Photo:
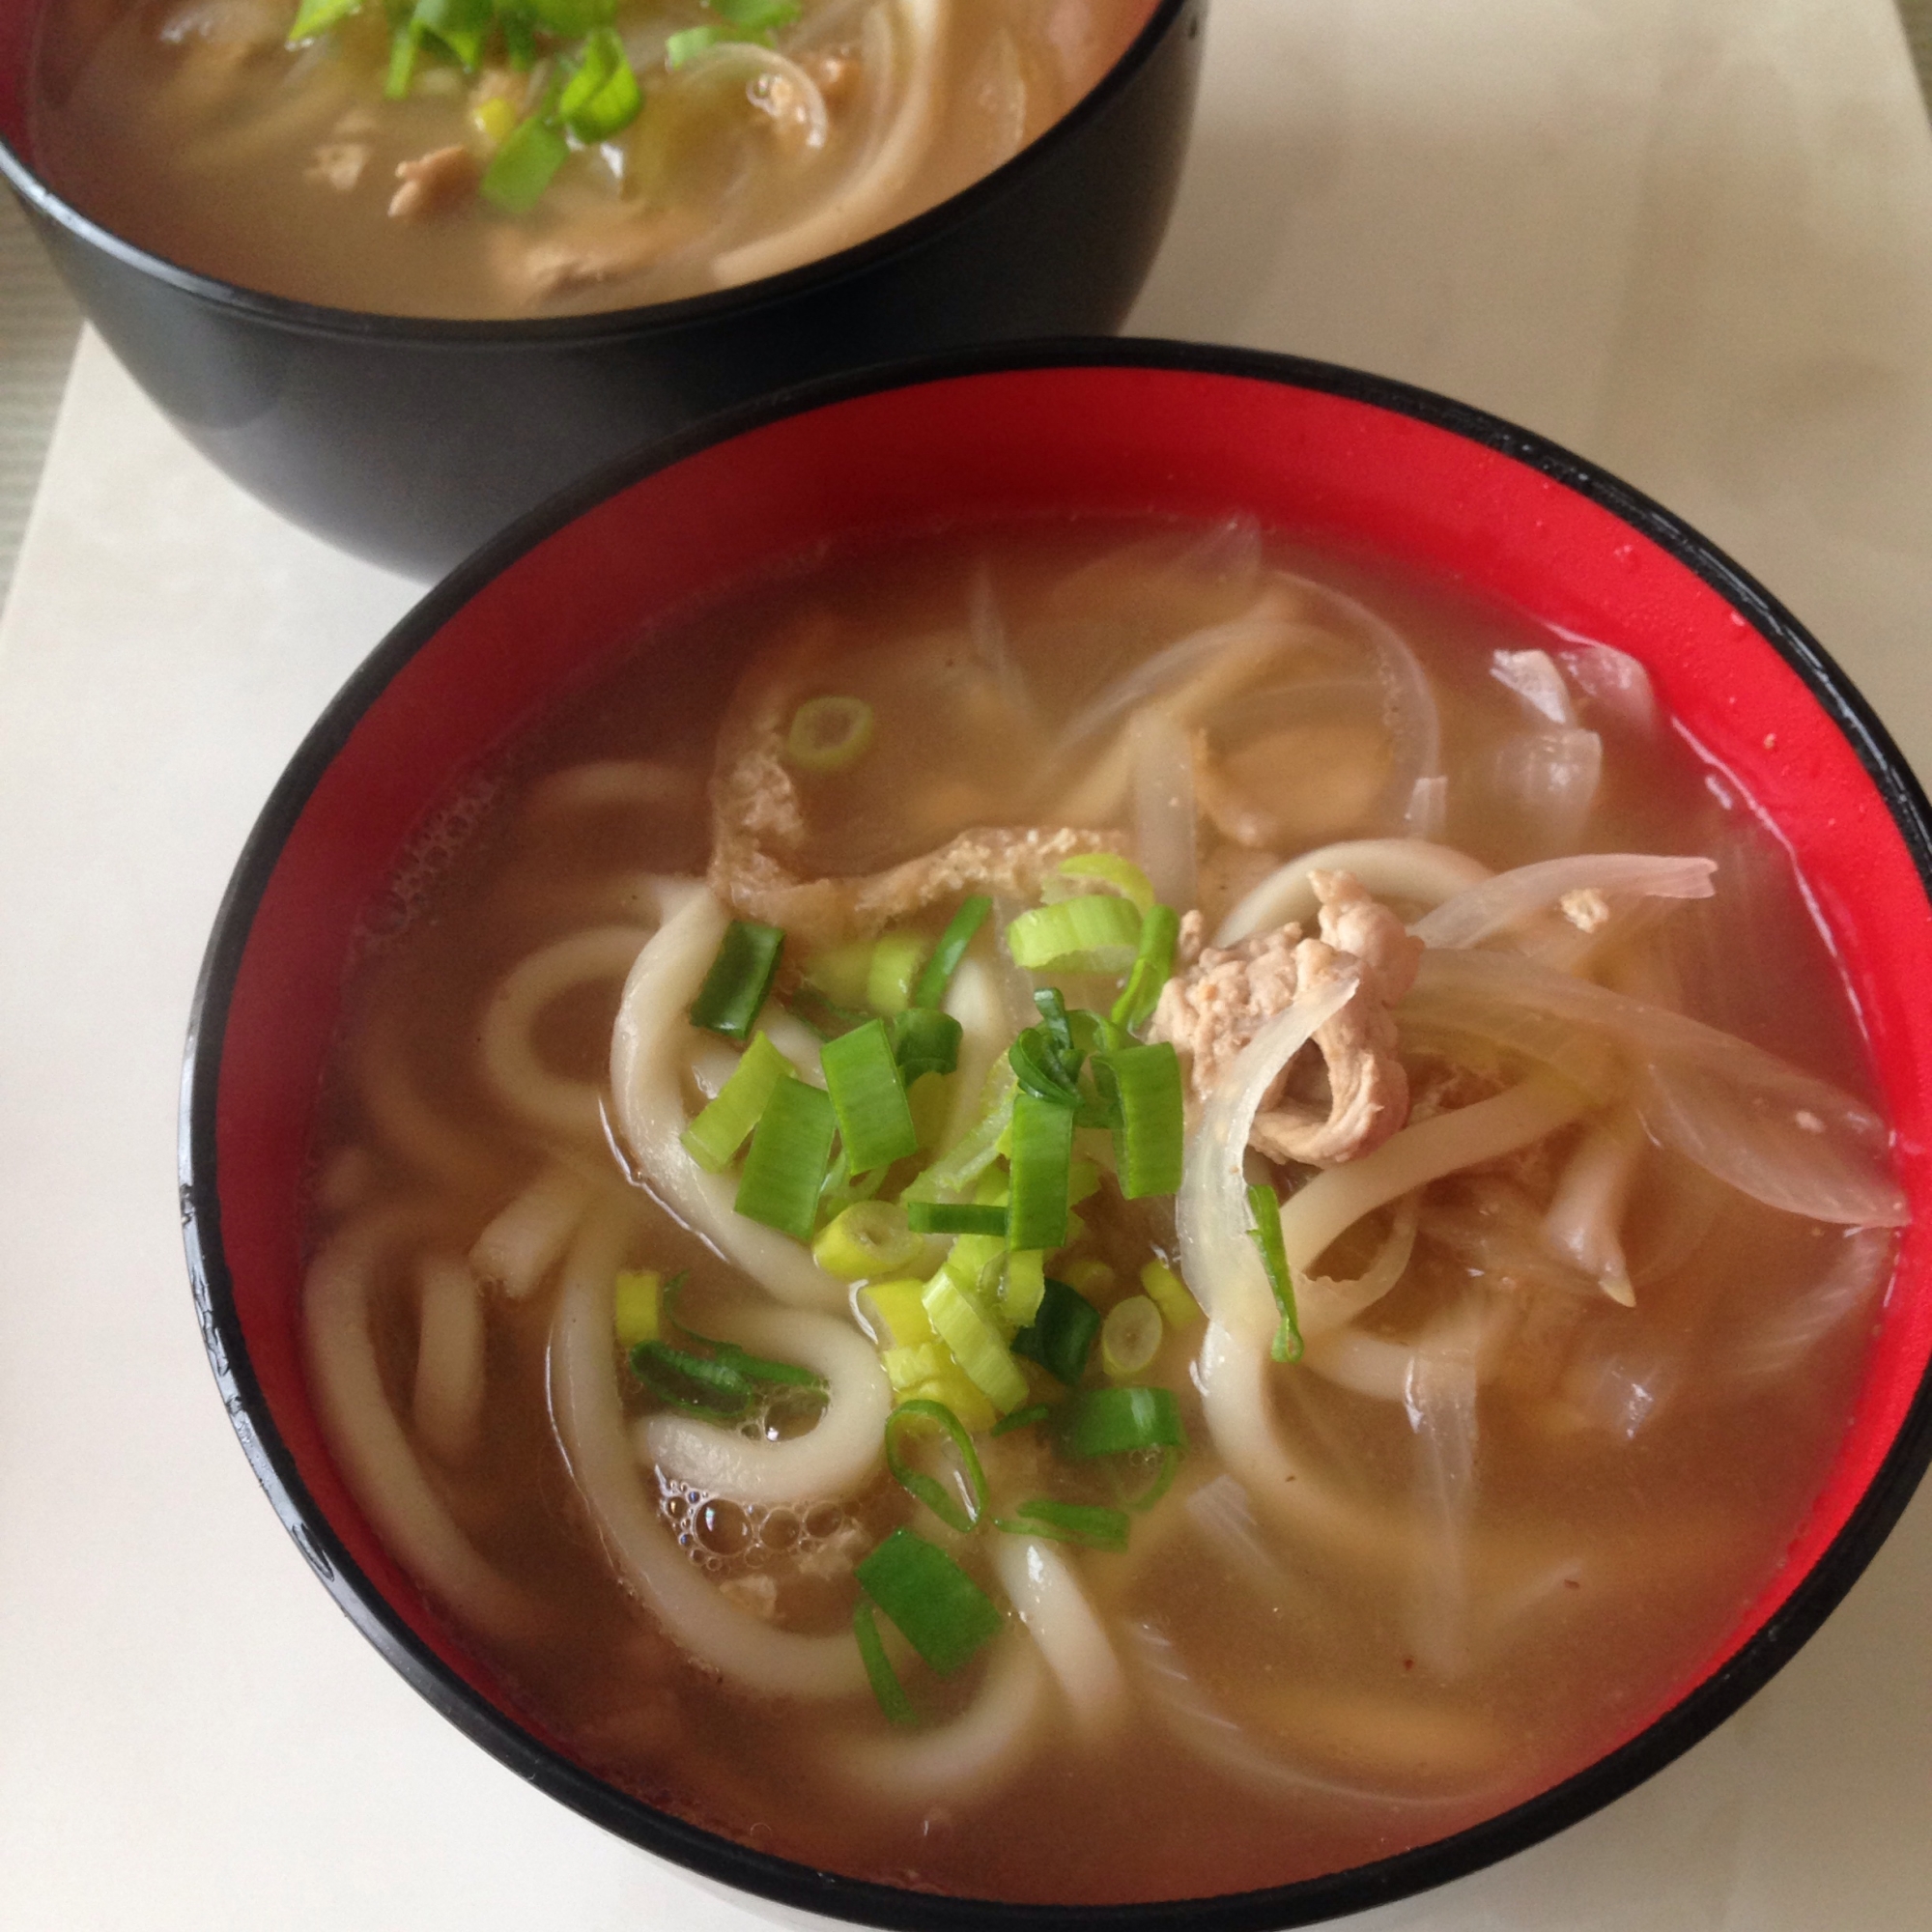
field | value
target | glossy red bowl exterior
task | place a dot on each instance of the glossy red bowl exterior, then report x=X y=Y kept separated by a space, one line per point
x=1325 y=455
x=411 y=440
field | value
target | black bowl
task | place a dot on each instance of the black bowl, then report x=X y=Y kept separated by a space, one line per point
x=410 y=441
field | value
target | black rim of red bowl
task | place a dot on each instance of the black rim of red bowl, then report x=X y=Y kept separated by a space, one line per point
x=904 y=237
x=720 y=1860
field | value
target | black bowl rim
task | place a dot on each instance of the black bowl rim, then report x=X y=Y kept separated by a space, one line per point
x=904 y=238
x=720 y=1860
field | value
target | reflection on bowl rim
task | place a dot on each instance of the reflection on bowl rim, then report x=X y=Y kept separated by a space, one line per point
x=599 y=325
x=1690 y=1715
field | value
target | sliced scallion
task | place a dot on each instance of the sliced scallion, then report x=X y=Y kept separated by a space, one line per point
x=689 y=43
x=926 y=1041
x=791 y=1148
x=894 y=970
x=722 y=1127
x=1118 y=1421
x=1023 y=1286
x=1023 y=1418
x=937 y=975
x=601 y=98
x=404 y=41
x=1169 y=1293
x=956 y=1217
x=697 y=1384
x=459 y=25
x=1111 y=869
x=1093 y=933
x=314 y=17
x=756 y=16
x=741 y=974
x=1149 y=1126
x=1265 y=1229
x=1130 y=1337
x=879 y=1671
x=635 y=1306
x=828 y=734
x=1153 y=968
x=923 y=1416
x=866 y=1239
x=977 y=1344
x=1061 y=1336
x=1043 y=1158
x=939 y=1610
x=868 y=1096
x=1092 y=1525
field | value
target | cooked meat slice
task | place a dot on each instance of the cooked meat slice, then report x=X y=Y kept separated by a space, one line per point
x=1225 y=995
x=337 y=164
x=434 y=183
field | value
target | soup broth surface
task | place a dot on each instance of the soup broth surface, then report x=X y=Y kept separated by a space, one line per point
x=1579 y=1477
x=304 y=156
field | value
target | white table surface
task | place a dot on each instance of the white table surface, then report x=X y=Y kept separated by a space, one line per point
x=1691 y=238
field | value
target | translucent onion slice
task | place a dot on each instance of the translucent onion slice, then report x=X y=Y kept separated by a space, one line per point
x=1497 y=904
x=1549 y=779
x=1782 y=1137
x=649 y=1046
x=1414 y=871
x=589 y=1421
x=830 y=1460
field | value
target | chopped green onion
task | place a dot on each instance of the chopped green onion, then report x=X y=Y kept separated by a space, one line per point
x=1043 y=1158
x=314 y=17
x=926 y=1041
x=791 y=1148
x=1130 y=1337
x=687 y=45
x=635 y=1306
x=729 y=1355
x=1117 y=1421
x=1092 y=1525
x=929 y=1490
x=931 y=990
x=1088 y=1276
x=976 y=1343
x=522 y=169
x=976 y=1148
x=461 y=25
x=741 y=975
x=519 y=37
x=840 y=972
x=1265 y=1229
x=1093 y=933
x=572 y=19
x=1110 y=869
x=895 y=967
x=756 y=16
x=1150 y=1127
x=842 y=1188
x=863 y=1078
x=1152 y=970
x=1169 y=1293
x=1023 y=1418
x=699 y=1385
x=941 y=1611
x=601 y=98
x=879 y=1672
x=713 y=1139
x=828 y=734
x=956 y=1217
x=976 y=1263
x=1062 y=1334
x=403 y=43
x=1083 y=1180
x=867 y=1239
x=1023 y=1287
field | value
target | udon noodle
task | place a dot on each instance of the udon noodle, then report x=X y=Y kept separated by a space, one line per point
x=1214 y=1218
x=498 y=157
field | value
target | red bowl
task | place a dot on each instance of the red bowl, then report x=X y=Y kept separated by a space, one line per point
x=1109 y=430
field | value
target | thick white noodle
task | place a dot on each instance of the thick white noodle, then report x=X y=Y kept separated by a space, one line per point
x=551 y=1102
x=527 y=1239
x=589 y=1420
x=613 y=782
x=1163 y=799
x=974 y=1000
x=838 y=1455
x=1338 y=1197
x=1412 y=870
x=1040 y=1586
x=1585 y=1217
x=649 y=1045
x=915 y=33
x=447 y=1402
x=370 y=1447
x=1323 y=1304
x=954 y=1763
x=1497 y=905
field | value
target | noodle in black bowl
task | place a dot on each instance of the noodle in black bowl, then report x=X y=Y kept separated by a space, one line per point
x=968 y=1463
x=407 y=424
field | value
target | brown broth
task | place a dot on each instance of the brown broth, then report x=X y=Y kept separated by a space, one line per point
x=187 y=127
x=1641 y=1489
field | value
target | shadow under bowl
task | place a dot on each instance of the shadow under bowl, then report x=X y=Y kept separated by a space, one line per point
x=1329 y=458
x=408 y=442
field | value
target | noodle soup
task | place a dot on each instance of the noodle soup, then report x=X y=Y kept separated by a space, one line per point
x=1083 y=1214
x=568 y=155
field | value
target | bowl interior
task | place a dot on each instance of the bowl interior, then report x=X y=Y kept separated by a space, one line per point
x=1337 y=461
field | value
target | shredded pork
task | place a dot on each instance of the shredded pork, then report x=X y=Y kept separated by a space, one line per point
x=434 y=183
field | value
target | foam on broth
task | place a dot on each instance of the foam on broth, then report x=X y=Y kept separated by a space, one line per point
x=191 y=128
x=1291 y=1706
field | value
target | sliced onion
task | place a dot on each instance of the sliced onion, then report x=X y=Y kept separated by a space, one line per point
x=1323 y=1304
x=1614 y=681
x=589 y=1422
x=1549 y=780
x=1785 y=1138
x=1511 y=898
x=1412 y=871
x=827 y=1463
x=1535 y=679
x=1848 y=1286
x=649 y=1046
x=1163 y=796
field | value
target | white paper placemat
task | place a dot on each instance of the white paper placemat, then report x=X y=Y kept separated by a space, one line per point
x=1688 y=237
